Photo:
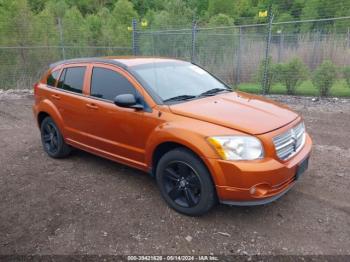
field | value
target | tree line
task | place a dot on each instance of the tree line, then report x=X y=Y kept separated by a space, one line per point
x=35 y=33
x=107 y=22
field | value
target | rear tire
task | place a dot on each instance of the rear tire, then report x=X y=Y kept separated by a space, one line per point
x=185 y=182
x=52 y=139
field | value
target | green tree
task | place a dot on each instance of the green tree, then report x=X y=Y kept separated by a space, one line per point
x=74 y=27
x=175 y=14
x=324 y=77
x=325 y=9
x=200 y=6
x=346 y=74
x=57 y=8
x=291 y=74
x=37 y=5
x=220 y=20
x=95 y=25
x=144 y=6
x=16 y=23
x=119 y=21
x=45 y=28
x=285 y=28
x=226 y=7
x=16 y=28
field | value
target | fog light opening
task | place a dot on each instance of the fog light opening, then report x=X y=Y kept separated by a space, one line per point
x=259 y=190
x=252 y=190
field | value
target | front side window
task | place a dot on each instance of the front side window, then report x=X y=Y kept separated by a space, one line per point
x=107 y=84
x=52 y=78
x=72 y=79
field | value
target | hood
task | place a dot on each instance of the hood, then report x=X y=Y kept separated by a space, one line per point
x=240 y=111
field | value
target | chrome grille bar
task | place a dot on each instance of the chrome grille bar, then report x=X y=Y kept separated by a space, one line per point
x=290 y=142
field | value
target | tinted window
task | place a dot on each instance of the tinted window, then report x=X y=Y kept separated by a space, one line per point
x=107 y=84
x=52 y=78
x=72 y=79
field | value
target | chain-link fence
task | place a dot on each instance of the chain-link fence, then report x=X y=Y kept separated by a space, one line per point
x=238 y=54
x=26 y=51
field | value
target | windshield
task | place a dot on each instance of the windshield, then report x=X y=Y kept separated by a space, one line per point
x=177 y=79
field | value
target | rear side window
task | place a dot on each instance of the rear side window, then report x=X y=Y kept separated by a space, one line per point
x=52 y=78
x=107 y=84
x=72 y=79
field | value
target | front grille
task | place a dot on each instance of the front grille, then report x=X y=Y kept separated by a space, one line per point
x=290 y=142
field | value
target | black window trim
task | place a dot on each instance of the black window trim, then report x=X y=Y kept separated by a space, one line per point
x=58 y=77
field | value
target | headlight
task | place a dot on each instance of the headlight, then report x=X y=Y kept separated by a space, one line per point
x=237 y=147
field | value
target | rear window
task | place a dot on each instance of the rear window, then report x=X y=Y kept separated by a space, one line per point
x=52 y=78
x=107 y=84
x=72 y=79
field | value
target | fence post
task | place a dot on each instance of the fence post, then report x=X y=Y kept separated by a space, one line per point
x=134 y=37
x=238 y=65
x=315 y=55
x=60 y=29
x=193 y=50
x=280 y=47
x=267 y=53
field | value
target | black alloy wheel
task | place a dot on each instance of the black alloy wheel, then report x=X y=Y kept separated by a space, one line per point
x=182 y=184
x=185 y=182
x=52 y=139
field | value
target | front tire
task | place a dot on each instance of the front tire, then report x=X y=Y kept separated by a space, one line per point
x=52 y=139
x=185 y=183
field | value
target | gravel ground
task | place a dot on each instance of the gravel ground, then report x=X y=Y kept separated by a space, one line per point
x=89 y=205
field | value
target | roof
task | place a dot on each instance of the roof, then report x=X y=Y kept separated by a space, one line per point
x=122 y=61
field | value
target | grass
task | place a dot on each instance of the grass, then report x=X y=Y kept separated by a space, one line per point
x=339 y=89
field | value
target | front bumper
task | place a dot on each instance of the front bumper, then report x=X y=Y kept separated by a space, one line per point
x=258 y=182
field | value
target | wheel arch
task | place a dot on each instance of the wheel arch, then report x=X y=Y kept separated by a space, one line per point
x=166 y=146
x=47 y=108
x=41 y=116
x=162 y=149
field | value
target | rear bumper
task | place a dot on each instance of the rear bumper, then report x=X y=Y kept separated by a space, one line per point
x=248 y=183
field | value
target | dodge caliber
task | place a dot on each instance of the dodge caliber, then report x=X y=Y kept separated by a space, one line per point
x=203 y=142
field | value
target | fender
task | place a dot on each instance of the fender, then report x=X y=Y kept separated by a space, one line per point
x=48 y=107
x=178 y=132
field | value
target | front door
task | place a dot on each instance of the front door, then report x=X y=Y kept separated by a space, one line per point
x=116 y=132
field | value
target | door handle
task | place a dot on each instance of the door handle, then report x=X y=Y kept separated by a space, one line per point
x=92 y=106
x=57 y=97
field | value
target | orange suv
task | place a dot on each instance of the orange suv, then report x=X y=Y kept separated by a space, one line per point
x=203 y=142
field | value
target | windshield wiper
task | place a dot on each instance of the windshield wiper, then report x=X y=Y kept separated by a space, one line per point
x=180 y=98
x=213 y=91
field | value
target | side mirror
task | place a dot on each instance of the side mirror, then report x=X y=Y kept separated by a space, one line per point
x=128 y=101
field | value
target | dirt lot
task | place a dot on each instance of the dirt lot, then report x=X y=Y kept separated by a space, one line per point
x=89 y=205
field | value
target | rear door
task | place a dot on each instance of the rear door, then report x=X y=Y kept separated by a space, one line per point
x=71 y=99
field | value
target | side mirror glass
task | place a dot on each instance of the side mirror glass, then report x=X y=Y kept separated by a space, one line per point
x=128 y=101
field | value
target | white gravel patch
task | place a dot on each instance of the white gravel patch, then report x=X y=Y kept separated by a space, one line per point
x=15 y=93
